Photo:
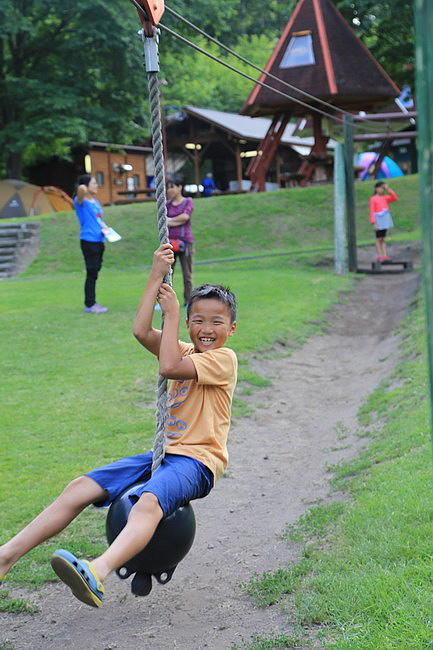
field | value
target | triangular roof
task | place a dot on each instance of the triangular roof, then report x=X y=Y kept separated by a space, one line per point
x=344 y=72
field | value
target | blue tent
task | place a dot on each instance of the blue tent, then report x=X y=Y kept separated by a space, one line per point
x=388 y=167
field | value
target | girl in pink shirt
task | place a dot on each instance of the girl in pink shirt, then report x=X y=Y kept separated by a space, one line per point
x=380 y=216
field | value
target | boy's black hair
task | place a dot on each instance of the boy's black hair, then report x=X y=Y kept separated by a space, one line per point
x=216 y=291
x=379 y=184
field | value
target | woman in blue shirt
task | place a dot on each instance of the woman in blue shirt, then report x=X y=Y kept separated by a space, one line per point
x=92 y=228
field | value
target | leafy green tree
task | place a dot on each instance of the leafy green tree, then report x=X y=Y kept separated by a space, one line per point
x=213 y=16
x=254 y=17
x=205 y=83
x=69 y=72
x=231 y=19
x=387 y=28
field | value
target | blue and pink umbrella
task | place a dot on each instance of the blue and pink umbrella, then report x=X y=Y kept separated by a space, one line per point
x=388 y=167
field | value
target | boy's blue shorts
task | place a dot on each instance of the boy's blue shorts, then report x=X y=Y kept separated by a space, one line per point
x=178 y=480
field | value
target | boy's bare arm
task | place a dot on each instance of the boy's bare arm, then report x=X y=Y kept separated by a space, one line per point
x=172 y=364
x=143 y=330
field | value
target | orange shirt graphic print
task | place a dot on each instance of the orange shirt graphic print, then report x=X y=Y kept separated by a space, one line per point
x=175 y=398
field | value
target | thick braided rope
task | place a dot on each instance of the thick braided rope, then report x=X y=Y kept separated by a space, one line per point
x=158 y=157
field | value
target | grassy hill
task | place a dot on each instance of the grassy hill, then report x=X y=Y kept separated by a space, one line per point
x=228 y=226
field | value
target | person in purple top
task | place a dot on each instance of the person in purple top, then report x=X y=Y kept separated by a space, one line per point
x=179 y=211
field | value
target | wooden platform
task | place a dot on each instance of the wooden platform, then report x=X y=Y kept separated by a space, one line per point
x=388 y=266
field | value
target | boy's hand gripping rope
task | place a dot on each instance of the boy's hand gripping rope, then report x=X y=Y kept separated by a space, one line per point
x=152 y=68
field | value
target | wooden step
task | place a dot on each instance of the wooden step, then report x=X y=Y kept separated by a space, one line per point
x=15 y=240
x=387 y=267
x=8 y=242
x=378 y=264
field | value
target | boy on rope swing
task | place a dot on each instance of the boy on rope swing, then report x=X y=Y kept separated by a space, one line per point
x=199 y=406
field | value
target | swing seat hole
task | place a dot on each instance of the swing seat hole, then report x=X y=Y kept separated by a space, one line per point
x=164 y=576
x=123 y=572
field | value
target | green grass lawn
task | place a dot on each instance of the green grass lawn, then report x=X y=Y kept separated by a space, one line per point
x=78 y=391
x=229 y=226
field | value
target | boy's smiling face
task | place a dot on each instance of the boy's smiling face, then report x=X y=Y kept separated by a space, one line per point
x=209 y=324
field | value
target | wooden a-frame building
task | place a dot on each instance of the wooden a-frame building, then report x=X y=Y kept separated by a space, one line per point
x=318 y=53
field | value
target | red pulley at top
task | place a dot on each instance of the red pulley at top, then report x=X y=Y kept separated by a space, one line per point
x=154 y=10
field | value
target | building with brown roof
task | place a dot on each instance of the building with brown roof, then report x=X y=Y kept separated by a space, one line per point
x=319 y=54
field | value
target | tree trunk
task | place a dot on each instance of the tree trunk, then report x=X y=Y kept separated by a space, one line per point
x=14 y=165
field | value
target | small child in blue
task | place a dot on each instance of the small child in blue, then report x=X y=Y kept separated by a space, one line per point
x=199 y=406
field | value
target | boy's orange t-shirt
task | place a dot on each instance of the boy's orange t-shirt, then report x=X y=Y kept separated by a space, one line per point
x=199 y=410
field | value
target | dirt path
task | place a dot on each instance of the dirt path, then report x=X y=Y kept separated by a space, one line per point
x=277 y=470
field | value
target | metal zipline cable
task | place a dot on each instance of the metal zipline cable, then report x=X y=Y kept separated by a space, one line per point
x=247 y=76
x=269 y=74
x=250 y=78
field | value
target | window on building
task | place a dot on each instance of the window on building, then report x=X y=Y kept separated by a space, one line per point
x=100 y=178
x=136 y=180
x=87 y=164
x=299 y=51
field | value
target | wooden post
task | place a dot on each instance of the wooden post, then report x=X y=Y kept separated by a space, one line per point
x=339 y=209
x=238 y=168
x=197 y=170
x=382 y=153
x=424 y=94
x=320 y=140
x=350 y=193
x=278 y=169
x=110 y=176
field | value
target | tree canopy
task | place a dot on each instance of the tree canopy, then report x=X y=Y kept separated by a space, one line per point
x=73 y=72
x=69 y=72
x=387 y=28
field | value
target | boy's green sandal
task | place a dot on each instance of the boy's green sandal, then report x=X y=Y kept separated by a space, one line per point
x=80 y=576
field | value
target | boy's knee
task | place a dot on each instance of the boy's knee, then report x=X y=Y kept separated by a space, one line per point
x=83 y=489
x=148 y=505
x=75 y=484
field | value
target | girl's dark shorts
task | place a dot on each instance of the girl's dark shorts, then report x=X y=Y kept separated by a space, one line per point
x=176 y=482
x=381 y=234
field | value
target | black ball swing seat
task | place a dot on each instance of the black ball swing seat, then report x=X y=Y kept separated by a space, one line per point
x=170 y=543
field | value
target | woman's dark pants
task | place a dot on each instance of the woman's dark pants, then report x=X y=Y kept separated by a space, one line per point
x=186 y=258
x=93 y=252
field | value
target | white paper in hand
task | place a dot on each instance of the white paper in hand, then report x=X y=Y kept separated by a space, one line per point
x=111 y=235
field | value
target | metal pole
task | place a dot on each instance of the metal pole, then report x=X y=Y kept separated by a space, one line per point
x=424 y=93
x=350 y=193
x=339 y=210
